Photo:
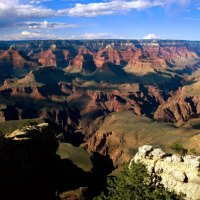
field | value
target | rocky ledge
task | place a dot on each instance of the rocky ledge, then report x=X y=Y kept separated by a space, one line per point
x=28 y=163
x=180 y=174
x=27 y=132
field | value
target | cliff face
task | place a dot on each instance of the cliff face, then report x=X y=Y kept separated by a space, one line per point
x=28 y=163
x=179 y=55
x=101 y=52
x=47 y=58
x=183 y=105
x=178 y=110
x=81 y=63
x=176 y=173
x=13 y=58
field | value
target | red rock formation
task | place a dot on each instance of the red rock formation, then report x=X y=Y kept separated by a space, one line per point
x=63 y=117
x=77 y=63
x=99 y=61
x=178 y=109
x=108 y=54
x=178 y=55
x=143 y=67
x=13 y=58
x=81 y=63
x=131 y=53
x=84 y=50
x=139 y=68
x=66 y=54
x=107 y=144
x=47 y=58
x=94 y=102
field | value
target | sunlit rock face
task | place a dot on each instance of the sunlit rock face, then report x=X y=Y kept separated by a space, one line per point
x=177 y=173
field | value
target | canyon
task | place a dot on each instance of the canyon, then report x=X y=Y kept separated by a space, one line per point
x=107 y=97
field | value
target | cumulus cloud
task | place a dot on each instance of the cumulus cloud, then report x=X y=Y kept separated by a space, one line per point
x=31 y=35
x=89 y=36
x=116 y=6
x=35 y=1
x=23 y=10
x=108 y=8
x=27 y=9
x=44 y=25
x=13 y=10
x=151 y=36
x=28 y=15
x=94 y=36
x=26 y=35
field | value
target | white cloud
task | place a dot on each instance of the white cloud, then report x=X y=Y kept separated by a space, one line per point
x=27 y=14
x=35 y=1
x=29 y=9
x=94 y=36
x=151 y=36
x=26 y=35
x=45 y=25
x=117 y=6
x=89 y=36
x=108 y=8
x=12 y=11
x=24 y=10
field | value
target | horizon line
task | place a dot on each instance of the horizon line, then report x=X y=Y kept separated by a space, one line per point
x=100 y=39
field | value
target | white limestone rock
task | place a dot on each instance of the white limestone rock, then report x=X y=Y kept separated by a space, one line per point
x=179 y=174
x=157 y=153
x=145 y=150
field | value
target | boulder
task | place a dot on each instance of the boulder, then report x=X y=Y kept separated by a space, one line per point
x=176 y=173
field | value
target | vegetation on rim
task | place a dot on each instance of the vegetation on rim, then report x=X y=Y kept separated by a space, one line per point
x=135 y=183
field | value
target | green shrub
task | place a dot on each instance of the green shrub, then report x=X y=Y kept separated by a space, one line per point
x=135 y=184
x=178 y=148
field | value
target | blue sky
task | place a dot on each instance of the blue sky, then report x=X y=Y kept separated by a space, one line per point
x=99 y=19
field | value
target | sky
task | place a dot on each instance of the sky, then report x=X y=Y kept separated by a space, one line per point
x=99 y=19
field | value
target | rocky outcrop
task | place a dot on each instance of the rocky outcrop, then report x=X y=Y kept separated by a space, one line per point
x=11 y=61
x=107 y=55
x=118 y=52
x=143 y=67
x=142 y=101
x=77 y=194
x=178 y=109
x=63 y=118
x=179 y=55
x=13 y=58
x=28 y=163
x=131 y=53
x=81 y=63
x=139 y=68
x=107 y=144
x=47 y=58
x=176 y=173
